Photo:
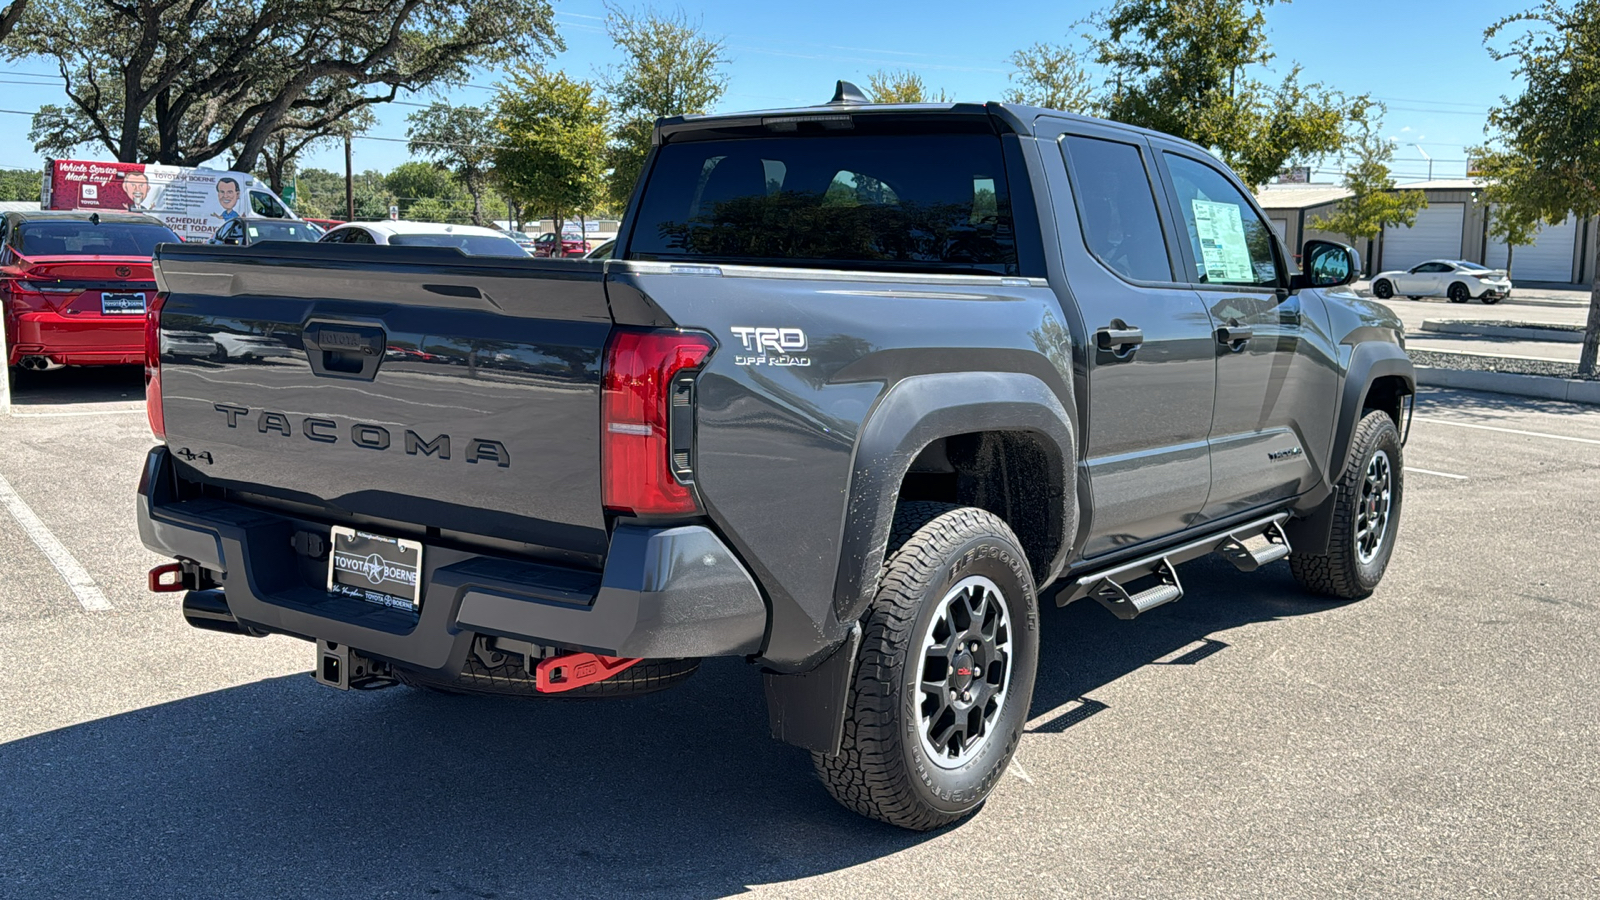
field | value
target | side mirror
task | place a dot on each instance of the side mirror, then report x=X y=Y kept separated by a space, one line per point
x=1327 y=264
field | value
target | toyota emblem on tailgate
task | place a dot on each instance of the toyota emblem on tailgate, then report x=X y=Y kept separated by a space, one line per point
x=123 y=271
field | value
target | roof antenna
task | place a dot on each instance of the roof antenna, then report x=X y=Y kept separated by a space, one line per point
x=848 y=94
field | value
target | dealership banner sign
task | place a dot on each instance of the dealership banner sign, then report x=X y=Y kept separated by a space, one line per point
x=192 y=202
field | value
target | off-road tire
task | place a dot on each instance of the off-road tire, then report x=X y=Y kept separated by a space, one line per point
x=1458 y=293
x=1382 y=289
x=882 y=770
x=508 y=678
x=1340 y=572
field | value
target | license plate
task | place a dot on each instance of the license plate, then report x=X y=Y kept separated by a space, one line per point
x=382 y=570
x=121 y=304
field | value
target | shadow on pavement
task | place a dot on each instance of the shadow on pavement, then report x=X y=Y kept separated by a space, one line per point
x=1469 y=405
x=285 y=788
x=77 y=384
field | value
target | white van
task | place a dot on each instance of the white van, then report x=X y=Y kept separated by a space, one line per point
x=192 y=202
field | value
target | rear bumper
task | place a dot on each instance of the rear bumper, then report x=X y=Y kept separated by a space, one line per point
x=77 y=340
x=665 y=592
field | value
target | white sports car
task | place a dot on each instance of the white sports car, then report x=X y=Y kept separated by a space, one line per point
x=1454 y=278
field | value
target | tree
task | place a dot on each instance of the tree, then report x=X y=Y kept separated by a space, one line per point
x=184 y=81
x=672 y=69
x=417 y=183
x=1373 y=202
x=901 y=86
x=20 y=184
x=1052 y=76
x=460 y=139
x=295 y=135
x=319 y=194
x=1544 y=162
x=552 y=143
x=1184 y=67
x=9 y=15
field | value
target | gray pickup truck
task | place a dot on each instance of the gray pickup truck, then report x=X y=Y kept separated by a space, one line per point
x=861 y=383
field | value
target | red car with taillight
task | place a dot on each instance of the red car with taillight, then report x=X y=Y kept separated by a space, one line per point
x=75 y=286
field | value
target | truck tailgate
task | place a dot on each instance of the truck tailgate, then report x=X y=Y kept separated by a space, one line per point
x=369 y=383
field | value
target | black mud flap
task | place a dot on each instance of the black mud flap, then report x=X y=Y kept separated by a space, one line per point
x=807 y=710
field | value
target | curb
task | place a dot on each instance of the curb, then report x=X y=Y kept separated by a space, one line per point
x=1552 y=335
x=1542 y=387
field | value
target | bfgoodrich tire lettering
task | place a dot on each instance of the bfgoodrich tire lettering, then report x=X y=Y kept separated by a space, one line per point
x=1366 y=515
x=884 y=770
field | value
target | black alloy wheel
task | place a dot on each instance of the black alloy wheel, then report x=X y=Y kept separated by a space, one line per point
x=1458 y=293
x=1382 y=289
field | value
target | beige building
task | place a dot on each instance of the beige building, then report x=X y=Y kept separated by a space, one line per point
x=1455 y=225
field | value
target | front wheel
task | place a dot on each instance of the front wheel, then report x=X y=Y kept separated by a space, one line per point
x=1382 y=289
x=1366 y=516
x=1458 y=293
x=949 y=650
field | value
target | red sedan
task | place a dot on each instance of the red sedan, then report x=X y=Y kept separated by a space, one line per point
x=74 y=286
x=571 y=245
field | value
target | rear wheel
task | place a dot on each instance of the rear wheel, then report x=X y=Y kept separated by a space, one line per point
x=1413 y=297
x=1490 y=299
x=1382 y=289
x=1366 y=516
x=1458 y=293
x=948 y=656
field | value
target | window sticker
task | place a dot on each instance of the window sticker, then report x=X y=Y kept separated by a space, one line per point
x=1224 y=254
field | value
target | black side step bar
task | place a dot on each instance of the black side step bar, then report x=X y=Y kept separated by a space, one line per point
x=1110 y=586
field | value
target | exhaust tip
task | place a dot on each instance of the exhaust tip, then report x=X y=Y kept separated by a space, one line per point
x=39 y=363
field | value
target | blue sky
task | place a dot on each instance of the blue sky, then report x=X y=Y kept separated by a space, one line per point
x=1432 y=70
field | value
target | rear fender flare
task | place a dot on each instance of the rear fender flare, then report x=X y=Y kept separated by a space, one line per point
x=914 y=413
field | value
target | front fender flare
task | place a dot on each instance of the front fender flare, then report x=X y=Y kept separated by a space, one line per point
x=914 y=413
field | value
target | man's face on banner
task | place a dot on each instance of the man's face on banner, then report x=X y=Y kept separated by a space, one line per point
x=137 y=187
x=227 y=194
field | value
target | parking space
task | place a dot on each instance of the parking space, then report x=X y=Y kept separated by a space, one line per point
x=1436 y=739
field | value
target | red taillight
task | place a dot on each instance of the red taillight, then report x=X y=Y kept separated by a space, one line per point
x=152 y=366
x=636 y=441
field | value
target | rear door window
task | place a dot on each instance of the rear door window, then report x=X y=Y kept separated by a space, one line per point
x=893 y=202
x=1117 y=208
x=1231 y=243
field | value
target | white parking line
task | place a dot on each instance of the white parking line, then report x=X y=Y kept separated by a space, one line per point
x=1432 y=472
x=73 y=573
x=1538 y=434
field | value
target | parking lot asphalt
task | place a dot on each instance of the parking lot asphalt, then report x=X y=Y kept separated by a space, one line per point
x=1441 y=738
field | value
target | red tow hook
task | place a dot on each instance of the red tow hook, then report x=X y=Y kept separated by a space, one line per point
x=574 y=670
x=159 y=573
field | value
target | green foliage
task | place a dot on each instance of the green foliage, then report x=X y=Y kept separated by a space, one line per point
x=9 y=15
x=300 y=132
x=1185 y=67
x=373 y=198
x=552 y=143
x=462 y=140
x=185 y=81
x=320 y=194
x=414 y=181
x=901 y=86
x=1053 y=76
x=672 y=68
x=1544 y=162
x=20 y=184
x=1373 y=202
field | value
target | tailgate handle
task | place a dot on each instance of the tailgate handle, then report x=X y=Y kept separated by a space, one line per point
x=344 y=350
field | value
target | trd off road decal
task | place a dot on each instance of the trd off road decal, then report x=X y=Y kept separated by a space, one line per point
x=766 y=346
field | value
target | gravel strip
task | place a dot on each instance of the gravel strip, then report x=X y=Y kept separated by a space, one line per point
x=1507 y=323
x=1495 y=364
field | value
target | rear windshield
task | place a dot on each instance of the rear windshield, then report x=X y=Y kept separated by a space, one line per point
x=282 y=231
x=89 y=239
x=470 y=244
x=1470 y=266
x=918 y=202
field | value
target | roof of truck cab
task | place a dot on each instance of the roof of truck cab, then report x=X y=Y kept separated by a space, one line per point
x=1021 y=115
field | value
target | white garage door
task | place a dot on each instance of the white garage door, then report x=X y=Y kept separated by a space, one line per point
x=1436 y=235
x=1548 y=258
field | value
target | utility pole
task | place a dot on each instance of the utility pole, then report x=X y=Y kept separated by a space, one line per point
x=1426 y=157
x=349 y=184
